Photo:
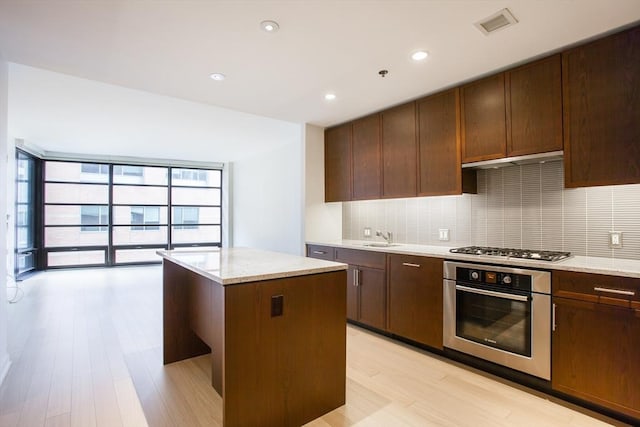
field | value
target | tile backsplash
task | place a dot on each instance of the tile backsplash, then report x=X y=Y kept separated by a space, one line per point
x=519 y=206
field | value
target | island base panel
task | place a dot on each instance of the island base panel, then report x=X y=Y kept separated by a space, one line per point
x=179 y=339
x=288 y=369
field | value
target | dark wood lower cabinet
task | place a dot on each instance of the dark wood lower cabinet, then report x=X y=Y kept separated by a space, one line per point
x=366 y=296
x=596 y=354
x=372 y=297
x=352 y=294
x=596 y=337
x=366 y=282
x=415 y=298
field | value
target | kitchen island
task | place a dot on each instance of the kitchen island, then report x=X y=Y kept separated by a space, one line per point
x=275 y=325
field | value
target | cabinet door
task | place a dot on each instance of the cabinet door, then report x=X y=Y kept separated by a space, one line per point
x=399 y=151
x=353 y=299
x=602 y=111
x=367 y=173
x=337 y=163
x=415 y=298
x=373 y=297
x=439 y=144
x=596 y=349
x=534 y=107
x=483 y=120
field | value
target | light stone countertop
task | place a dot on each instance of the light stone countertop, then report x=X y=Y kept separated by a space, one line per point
x=229 y=266
x=596 y=265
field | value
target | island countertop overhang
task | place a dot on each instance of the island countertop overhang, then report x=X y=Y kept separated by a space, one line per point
x=230 y=266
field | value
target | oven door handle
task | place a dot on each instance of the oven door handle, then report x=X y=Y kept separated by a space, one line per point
x=513 y=297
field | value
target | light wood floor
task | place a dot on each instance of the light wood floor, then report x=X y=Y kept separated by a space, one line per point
x=86 y=351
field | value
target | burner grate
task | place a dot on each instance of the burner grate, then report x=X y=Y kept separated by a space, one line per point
x=512 y=253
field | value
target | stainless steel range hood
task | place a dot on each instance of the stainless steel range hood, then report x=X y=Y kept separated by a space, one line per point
x=516 y=161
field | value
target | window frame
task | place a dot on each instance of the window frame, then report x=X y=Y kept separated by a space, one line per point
x=32 y=216
x=112 y=249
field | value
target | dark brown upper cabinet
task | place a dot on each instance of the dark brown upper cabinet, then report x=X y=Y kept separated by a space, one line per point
x=534 y=107
x=399 y=151
x=367 y=154
x=483 y=119
x=601 y=98
x=440 y=170
x=515 y=113
x=337 y=163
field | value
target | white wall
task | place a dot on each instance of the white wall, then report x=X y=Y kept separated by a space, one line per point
x=4 y=355
x=322 y=221
x=267 y=200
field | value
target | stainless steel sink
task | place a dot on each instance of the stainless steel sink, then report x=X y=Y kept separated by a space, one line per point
x=380 y=244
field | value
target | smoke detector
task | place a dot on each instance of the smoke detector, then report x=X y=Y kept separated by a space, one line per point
x=498 y=21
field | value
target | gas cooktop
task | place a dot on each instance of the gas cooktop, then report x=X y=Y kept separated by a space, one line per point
x=512 y=253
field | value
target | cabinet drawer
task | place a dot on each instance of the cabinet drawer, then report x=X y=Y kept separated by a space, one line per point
x=362 y=258
x=599 y=288
x=414 y=264
x=321 y=252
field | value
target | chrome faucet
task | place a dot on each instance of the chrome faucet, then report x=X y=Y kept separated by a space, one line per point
x=385 y=235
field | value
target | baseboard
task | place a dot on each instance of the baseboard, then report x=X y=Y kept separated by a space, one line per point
x=5 y=364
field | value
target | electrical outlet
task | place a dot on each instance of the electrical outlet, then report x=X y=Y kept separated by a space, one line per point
x=615 y=239
x=277 y=303
x=443 y=234
x=367 y=232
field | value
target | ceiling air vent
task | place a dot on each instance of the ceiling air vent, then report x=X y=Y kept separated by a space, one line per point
x=497 y=21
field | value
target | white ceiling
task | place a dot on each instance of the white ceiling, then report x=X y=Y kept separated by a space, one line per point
x=170 y=47
x=55 y=112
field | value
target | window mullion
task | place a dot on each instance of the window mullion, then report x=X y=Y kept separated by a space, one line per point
x=110 y=250
x=170 y=209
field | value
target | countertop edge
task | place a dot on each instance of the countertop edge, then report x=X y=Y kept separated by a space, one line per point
x=581 y=264
x=330 y=266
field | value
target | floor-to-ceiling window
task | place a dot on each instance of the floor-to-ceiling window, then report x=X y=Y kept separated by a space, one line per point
x=76 y=214
x=98 y=214
x=26 y=242
x=196 y=198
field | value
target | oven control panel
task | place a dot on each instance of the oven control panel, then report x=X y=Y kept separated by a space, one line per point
x=494 y=278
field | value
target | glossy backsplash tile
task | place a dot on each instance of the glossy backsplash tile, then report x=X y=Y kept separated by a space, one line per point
x=519 y=206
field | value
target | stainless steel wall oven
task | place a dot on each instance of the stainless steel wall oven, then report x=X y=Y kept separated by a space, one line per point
x=499 y=314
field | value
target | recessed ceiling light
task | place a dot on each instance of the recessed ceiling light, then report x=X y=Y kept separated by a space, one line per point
x=217 y=76
x=419 y=55
x=269 y=26
x=330 y=96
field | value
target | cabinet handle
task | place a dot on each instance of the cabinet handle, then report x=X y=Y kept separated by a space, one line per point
x=553 y=319
x=319 y=252
x=356 y=277
x=614 y=291
x=410 y=264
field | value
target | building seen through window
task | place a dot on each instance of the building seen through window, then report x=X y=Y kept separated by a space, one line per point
x=186 y=217
x=94 y=218
x=145 y=217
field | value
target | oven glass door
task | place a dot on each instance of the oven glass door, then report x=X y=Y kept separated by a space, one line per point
x=493 y=318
